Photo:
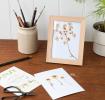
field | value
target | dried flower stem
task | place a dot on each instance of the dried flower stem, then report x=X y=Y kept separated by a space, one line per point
x=49 y=80
x=69 y=48
x=55 y=77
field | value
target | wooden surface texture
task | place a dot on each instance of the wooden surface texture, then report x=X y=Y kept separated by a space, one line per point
x=91 y=75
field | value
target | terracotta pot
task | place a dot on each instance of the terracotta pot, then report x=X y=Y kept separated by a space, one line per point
x=27 y=40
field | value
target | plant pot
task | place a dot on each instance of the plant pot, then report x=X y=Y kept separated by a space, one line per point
x=99 y=41
x=27 y=40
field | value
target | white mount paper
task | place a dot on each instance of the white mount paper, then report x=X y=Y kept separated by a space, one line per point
x=17 y=77
x=58 y=83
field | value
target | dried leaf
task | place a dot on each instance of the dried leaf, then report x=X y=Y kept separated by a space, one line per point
x=74 y=35
x=57 y=27
x=57 y=38
x=68 y=39
x=60 y=32
x=65 y=42
x=61 y=38
x=70 y=32
x=65 y=27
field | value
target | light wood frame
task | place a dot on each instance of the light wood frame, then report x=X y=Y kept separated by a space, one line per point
x=81 y=22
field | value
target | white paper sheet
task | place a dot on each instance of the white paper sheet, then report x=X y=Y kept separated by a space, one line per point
x=17 y=77
x=58 y=83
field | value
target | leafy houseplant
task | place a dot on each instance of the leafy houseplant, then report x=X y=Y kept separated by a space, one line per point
x=99 y=36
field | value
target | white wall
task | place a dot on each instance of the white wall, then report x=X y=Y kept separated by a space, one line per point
x=4 y=20
x=8 y=22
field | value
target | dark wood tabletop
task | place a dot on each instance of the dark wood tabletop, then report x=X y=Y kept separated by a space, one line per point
x=91 y=76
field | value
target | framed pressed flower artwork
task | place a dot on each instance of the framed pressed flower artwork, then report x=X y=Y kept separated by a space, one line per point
x=66 y=40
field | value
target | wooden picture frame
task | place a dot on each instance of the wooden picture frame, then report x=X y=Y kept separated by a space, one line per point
x=65 y=40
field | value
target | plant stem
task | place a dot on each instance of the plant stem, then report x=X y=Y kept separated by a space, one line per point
x=69 y=48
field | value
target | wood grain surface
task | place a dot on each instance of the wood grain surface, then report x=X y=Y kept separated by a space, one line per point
x=91 y=75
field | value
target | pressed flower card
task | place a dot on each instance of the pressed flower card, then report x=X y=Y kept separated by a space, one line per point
x=58 y=83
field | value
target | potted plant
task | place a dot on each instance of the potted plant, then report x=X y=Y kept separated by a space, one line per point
x=99 y=27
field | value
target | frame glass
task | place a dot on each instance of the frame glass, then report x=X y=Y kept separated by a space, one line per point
x=65 y=40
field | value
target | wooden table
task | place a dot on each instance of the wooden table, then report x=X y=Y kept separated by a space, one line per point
x=91 y=75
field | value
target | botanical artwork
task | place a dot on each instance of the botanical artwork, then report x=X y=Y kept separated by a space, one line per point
x=58 y=79
x=58 y=83
x=66 y=37
x=12 y=76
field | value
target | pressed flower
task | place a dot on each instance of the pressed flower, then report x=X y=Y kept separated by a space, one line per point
x=65 y=34
x=49 y=80
x=56 y=78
